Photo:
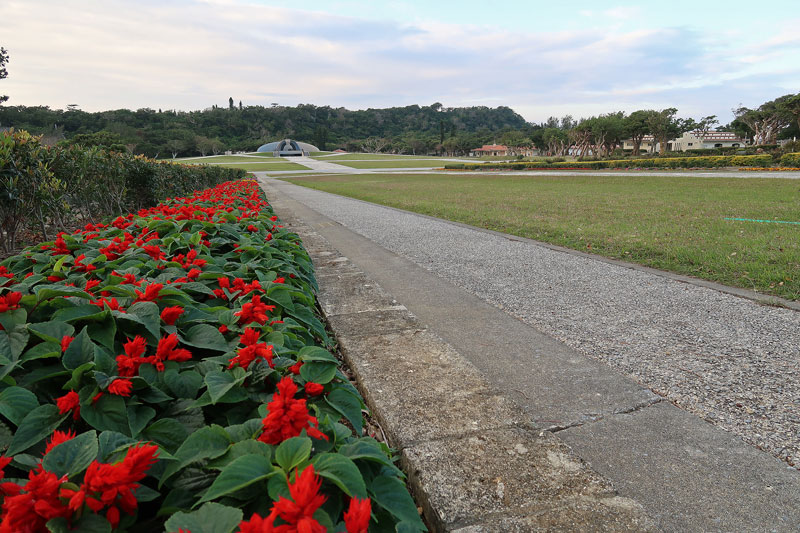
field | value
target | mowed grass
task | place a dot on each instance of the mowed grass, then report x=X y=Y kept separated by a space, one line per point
x=261 y=166
x=217 y=159
x=396 y=163
x=670 y=223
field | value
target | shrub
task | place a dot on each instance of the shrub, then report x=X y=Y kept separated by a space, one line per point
x=791 y=160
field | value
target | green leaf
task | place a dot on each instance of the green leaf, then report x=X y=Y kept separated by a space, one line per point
x=318 y=372
x=80 y=351
x=138 y=417
x=210 y=518
x=183 y=385
x=79 y=312
x=292 y=452
x=315 y=353
x=369 y=449
x=16 y=402
x=167 y=432
x=342 y=472
x=205 y=443
x=46 y=292
x=77 y=374
x=245 y=447
x=104 y=331
x=240 y=473
x=219 y=383
x=348 y=405
x=13 y=342
x=36 y=425
x=41 y=351
x=392 y=494
x=207 y=337
x=72 y=457
x=10 y=319
x=52 y=331
x=88 y=523
x=149 y=315
x=107 y=414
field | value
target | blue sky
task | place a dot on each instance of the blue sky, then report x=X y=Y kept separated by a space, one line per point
x=539 y=58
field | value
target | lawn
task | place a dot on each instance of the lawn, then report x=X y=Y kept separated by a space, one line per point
x=670 y=223
x=395 y=163
x=264 y=165
x=213 y=159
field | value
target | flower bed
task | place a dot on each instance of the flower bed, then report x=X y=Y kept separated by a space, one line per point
x=167 y=372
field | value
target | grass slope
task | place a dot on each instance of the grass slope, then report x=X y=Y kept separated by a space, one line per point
x=671 y=223
x=396 y=163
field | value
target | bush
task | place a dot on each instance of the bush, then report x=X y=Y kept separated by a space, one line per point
x=791 y=160
x=43 y=187
x=763 y=160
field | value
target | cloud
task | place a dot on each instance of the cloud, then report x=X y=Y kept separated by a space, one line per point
x=190 y=54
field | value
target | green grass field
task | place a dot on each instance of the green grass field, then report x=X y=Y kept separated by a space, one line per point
x=262 y=166
x=395 y=163
x=670 y=223
x=218 y=159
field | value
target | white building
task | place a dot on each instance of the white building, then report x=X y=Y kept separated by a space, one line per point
x=708 y=140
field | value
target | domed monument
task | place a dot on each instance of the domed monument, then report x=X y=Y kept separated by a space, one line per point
x=288 y=148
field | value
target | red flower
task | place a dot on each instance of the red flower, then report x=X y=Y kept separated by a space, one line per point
x=35 y=504
x=254 y=311
x=314 y=389
x=356 y=518
x=10 y=301
x=112 y=304
x=223 y=328
x=65 y=342
x=279 y=280
x=155 y=252
x=113 y=485
x=69 y=402
x=129 y=363
x=252 y=228
x=295 y=368
x=150 y=294
x=170 y=314
x=91 y=284
x=3 y=463
x=297 y=513
x=57 y=438
x=287 y=417
x=166 y=350
x=120 y=387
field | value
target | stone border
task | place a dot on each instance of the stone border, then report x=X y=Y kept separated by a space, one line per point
x=474 y=462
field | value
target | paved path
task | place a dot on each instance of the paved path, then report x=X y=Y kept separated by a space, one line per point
x=725 y=358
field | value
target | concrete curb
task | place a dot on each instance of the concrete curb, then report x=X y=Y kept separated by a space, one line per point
x=474 y=462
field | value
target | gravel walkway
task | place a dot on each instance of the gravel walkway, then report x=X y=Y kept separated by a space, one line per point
x=729 y=360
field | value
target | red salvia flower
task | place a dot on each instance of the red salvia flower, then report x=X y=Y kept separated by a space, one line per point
x=314 y=389
x=112 y=304
x=356 y=518
x=57 y=438
x=120 y=387
x=150 y=294
x=10 y=301
x=170 y=314
x=155 y=252
x=295 y=368
x=35 y=504
x=298 y=512
x=3 y=463
x=128 y=363
x=254 y=311
x=167 y=350
x=66 y=340
x=113 y=485
x=287 y=417
x=69 y=402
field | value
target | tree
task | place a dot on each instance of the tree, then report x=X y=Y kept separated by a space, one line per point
x=321 y=137
x=556 y=141
x=768 y=119
x=240 y=105
x=637 y=127
x=3 y=70
x=230 y=102
x=706 y=123
x=663 y=125
x=175 y=146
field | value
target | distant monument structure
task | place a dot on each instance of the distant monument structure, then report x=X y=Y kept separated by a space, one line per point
x=288 y=148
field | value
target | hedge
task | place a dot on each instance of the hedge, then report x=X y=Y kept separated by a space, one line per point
x=674 y=162
x=43 y=187
x=791 y=160
x=167 y=372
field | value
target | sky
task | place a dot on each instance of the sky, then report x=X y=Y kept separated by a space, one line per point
x=541 y=59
